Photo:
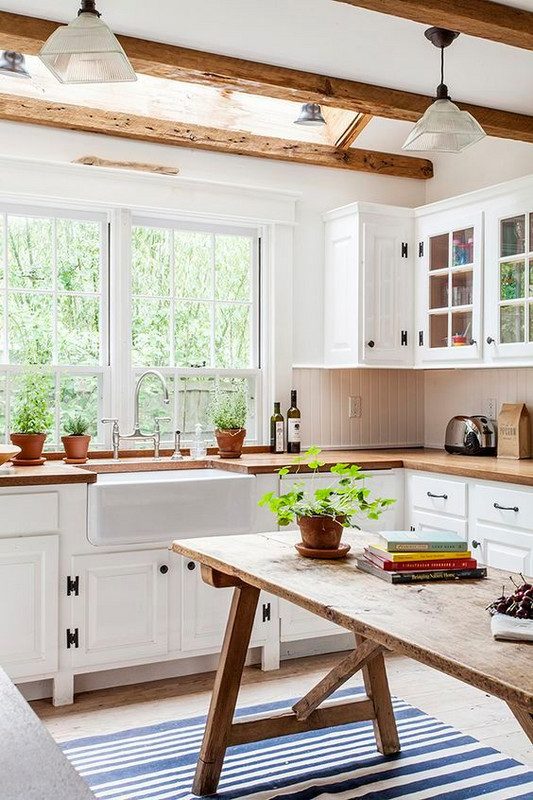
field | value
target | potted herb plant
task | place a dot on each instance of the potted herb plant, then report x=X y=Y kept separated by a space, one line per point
x=323 y=513
x=76 y=441
x=32 y=419
x=228 y=411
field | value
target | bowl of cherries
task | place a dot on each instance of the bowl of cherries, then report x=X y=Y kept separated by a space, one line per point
x=512 y=613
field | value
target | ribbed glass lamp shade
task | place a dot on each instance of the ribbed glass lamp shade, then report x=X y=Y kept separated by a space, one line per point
x=311 y=114
x=444 y=128
x=86 y=51
x=13 y=64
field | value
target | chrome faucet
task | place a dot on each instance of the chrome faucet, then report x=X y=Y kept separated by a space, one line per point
x=137 y=436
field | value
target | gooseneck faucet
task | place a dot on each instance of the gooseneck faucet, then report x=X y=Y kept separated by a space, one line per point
x=137 y=435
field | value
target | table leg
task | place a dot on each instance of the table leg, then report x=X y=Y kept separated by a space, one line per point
x=377 y=689
x=525 y=718
x=226 y=689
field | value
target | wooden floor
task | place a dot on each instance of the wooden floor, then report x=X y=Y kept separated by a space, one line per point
x=462 y=706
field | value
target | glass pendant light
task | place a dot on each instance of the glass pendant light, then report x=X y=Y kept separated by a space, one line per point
x=13 y=64
x=86 y=51
x=443 y=128
x=311 y=114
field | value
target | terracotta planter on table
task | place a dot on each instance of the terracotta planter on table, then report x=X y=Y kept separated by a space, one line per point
x=230 y=442
x=31 y=448
x=76 y=448
x=320 y=533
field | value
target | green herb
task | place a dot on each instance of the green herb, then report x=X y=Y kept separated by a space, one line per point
x=228 y=409
x=345 y=499
x=32 y=414
x=76 y=425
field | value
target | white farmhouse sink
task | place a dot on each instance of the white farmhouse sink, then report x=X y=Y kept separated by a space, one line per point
x=136 y=507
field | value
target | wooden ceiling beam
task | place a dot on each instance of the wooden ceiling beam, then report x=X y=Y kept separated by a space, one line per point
x=27 y=34
x=180 y=134
x=481 y=18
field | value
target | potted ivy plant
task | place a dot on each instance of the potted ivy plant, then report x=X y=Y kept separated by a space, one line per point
x=228 y=411
x=76 y=441
x=32 y=419
x=323 y=513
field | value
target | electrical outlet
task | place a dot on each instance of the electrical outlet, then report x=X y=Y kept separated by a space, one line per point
x=491 y=406
x=354 y=406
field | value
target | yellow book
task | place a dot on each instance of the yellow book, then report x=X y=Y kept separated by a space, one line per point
x=382 y=552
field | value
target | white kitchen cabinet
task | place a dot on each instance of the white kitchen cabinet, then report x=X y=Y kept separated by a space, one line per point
x=205 y=613
x=431 y=521
x=120 y=611
x=500 y=526
x=29 y=605
x=436 y=503
x=368 y=286
x=449 y=277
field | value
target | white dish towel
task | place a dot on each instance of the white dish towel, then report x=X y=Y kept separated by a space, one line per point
x=512 y=628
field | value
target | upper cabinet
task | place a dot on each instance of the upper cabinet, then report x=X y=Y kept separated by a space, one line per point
x=449 y=314
x=369 y=286
x=509 y=282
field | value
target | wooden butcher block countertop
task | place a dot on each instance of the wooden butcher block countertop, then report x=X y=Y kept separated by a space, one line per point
x=254 y=463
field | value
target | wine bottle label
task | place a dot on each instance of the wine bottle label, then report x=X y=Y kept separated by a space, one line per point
x=279 y=437
x=294 y=430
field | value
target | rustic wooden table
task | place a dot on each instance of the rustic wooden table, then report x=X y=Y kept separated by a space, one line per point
x=444 y=625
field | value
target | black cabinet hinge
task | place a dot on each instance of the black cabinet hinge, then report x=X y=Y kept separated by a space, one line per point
x=405 y=250
x=420 y=249
x=73 y=585
x=266 y=612
x=73 y=638
x=403 y=339
x=421 y=338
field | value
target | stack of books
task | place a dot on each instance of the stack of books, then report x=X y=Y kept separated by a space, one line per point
x=416 y=556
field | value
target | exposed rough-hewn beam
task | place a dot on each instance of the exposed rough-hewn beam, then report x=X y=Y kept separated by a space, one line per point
x=481 y=18
x=27 y=34
x=129 y=126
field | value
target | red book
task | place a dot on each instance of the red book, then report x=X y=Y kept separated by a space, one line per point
x=410 y=566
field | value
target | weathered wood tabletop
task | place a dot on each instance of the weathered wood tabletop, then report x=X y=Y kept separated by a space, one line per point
x=442 y=624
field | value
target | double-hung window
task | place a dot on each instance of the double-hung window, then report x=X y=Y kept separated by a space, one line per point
x=53 y=311
x=195 y=317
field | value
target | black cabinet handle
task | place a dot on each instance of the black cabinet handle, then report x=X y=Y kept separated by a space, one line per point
x=439 y=496
x=490 y=340
x=191 y=565
x=163 y=569
x=472 y=341
x=371 y=343
x=506 y=508
x=475 y=543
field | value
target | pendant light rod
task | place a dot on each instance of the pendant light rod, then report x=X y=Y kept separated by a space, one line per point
x=88 y=7
x=441 y=38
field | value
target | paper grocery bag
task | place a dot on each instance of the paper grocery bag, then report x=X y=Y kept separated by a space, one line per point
x=514 y=431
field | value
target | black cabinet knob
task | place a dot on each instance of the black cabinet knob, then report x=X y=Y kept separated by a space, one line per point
x=191 y=565
x=371 y=343
x=163 y=569
x=490 y=340
x=475 y=544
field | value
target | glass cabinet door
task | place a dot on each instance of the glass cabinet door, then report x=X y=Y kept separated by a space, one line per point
x=515 y=280
x=451 y=289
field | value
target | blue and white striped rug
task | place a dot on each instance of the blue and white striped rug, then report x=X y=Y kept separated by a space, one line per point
x=158 y=762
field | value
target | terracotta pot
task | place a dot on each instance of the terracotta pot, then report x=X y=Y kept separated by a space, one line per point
x=31 y=447
x=76 y=448
x=230 y=442
x=321 y=533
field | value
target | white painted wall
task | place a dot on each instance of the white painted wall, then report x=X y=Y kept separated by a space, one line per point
x=321 y=189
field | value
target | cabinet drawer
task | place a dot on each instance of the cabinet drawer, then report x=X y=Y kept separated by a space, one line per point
x=511 y=508
x=29 y=513
x=437 y=494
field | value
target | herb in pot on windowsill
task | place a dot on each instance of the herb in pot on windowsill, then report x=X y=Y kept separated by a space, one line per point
x=228 y=411
x=322 y=513
x=32 y=418
x=76 y=442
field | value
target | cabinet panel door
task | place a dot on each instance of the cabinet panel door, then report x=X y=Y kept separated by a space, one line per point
x=503 y=548
x=297 y=623
x=205 y=612
x=387 y=290
x=429 y=521
x=29 y=592
x=340 y=291
x=122 y=609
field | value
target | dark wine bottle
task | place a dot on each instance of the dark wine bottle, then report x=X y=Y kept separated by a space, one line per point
x=293 y=426
x=277 y=431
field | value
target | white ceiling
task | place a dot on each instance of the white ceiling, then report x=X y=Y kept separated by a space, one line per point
x=321 y=36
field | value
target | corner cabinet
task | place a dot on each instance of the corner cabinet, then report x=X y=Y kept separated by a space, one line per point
x=449 y=287
x=368 y=286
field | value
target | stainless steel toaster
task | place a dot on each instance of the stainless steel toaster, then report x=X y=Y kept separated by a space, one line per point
x=471 y=436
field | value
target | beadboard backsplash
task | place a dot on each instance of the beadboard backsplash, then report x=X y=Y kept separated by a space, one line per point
x=449 y=392
x=392 y=407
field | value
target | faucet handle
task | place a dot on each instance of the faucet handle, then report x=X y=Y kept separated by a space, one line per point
x=110 y=420
x=158 y=420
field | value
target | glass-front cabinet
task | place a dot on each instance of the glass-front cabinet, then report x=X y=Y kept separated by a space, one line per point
x=509 y=286
x=449 y=288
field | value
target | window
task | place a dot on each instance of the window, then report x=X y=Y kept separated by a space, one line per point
x=194 y=316
x=53 y=281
